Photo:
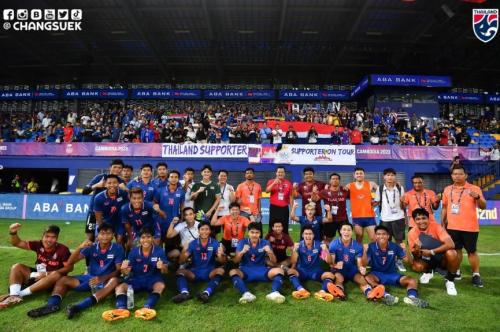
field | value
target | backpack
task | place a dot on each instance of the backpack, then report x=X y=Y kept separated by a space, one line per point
x=381 y=190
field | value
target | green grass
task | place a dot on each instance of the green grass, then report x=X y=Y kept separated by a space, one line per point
x=473 y=308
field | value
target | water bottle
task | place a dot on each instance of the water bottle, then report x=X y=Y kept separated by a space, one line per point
x=130 y=297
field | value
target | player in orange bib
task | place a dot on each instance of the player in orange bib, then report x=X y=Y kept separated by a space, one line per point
x=360 y=194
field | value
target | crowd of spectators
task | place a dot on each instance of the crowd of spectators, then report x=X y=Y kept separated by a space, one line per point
x=236 y=122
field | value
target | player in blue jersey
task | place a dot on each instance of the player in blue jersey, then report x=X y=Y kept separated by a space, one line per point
x=137 y=214
x=144 y=267
x=97 y=185
x=251 y=253
x=170 y=199
x=204 y=253
x=310 y=219
x=382 y=255
x=161 y=179
x=108 y=205
x=144 y=182
x=105 y=259
x=347 y=264
x=126 y=173
x=306 y=265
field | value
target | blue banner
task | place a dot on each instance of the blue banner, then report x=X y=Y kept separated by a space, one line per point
x=314 y=95
x=362 y=85
x=493 y=99
x=461 y=98
x=411 y=80
x=57 y=207
x=95 y=94
x=166 y=94
x=11 y=206
x=46 y=94
x=29 y=94
x=239 y=94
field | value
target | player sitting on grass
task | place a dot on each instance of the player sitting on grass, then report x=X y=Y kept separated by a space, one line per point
x=204 y=252
x=144 y=266
x=382 y=255
x=346 y=256
x=105 y=259
x=432 y=247
x=306 y=265
x=251 y=253
x=51 y=264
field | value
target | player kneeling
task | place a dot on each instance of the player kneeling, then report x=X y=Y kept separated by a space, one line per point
x=382 y=255
x=251 y=253
x=306 y=265
x=105 y=259
x=145 y=264
x=203 y=252
x=346 y=256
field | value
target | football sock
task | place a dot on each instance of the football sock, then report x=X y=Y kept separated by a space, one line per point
x=182 y=285
x=239 y=284
x=212 y=284
x=295 y=282
x=325 y=283
x=277 y=282
x=367 y=290
x=25 y=292
x=412 y=292
x=86 y=303
x=54 y=300
x=121 y=301
x=15 y=289
x=151 y=300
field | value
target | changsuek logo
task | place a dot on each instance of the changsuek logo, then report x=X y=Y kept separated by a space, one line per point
x=42 y=19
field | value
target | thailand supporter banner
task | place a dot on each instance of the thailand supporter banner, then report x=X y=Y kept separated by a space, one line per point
x=314 y=95
x=81 y=149
x=373 y=152
x=493 y=99
x=410 y=80
x=95 y=94
x=166 y=94
x=461 y=98
x=362 y=85
x=29 y=94
x=303 y=154
x=214 y=151
x=239 y=94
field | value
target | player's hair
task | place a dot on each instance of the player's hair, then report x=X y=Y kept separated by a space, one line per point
x=381 y=227
x=359 y=169
x=346 y=224
x=335 y=174
x=389 y=170
x=280 y=166
x=311 y=205
x=223 y=171
x=307 y=169
x=206 y=166
x=147 y=230
x=111 y=176
x=307 y=227
x=189 y=169
x=187 y=208
x=105 y=227
x=416 y=176
x=459 y=167
x=52 y=229
x=419 y=211
x=203 y=223
x=135 y=190
x=234 y=204
x=175 y=172
x=161 y=163
x=278 y=222
x=249 y=169
x=254 y=225
x=130 y=167
x=147 y=166
x=117 y=162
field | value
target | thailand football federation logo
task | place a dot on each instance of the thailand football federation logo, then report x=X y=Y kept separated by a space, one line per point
x=485 y=24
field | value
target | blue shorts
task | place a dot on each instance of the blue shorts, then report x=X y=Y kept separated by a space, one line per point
x=348 y=273
x=314 y=274
x=163 y=227
x=364 y=222
x=257 y=273
x=201 y=274
x=84 y=280
x=144 y=283
x=390 y=279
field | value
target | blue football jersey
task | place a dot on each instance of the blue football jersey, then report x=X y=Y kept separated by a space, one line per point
x=384 y=260
x=315 y=224
x=145 y=266
x=159 y=183
x=203 y=257
x=96 y=179
x=110 y=206
x=347 y=254
x=256 y=256
x=140 y=218
x=103 y=262
x=147 y=188
x=170 y=202
x=309 y=259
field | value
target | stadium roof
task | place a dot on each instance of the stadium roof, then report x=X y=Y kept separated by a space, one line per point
x=267 y=41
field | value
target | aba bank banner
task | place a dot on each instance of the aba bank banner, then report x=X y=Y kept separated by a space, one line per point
x=165 y=94
x=298 y=154
x=239 y=94
x=493 y=99
x=362 y=85
x=29 y=94
x=461 y=98
x=95 y=94
x=216 y=151
x=410 y=80
x=314 y=95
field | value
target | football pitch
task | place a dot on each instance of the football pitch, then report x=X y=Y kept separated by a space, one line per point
x=473 y=308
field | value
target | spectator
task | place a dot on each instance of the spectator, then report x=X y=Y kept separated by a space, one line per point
x=265 y=134
x=335 y=137
x=15 y=185
x=291 y=136
x=277 y=134
x=312 y=136
x=32 y=187
x=355 y=136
